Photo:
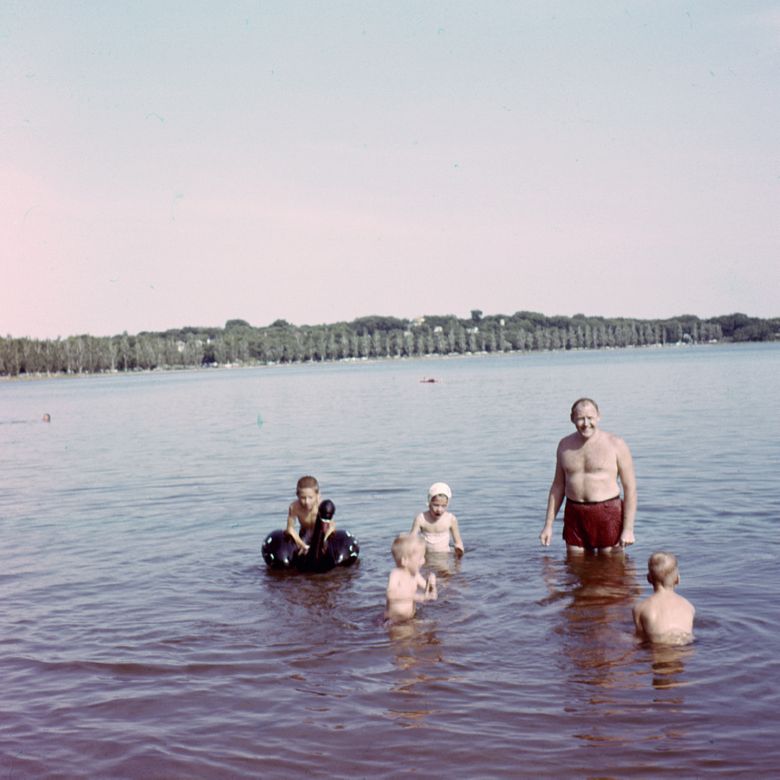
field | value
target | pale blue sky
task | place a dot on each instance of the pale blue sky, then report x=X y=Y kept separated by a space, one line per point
x=183 y=163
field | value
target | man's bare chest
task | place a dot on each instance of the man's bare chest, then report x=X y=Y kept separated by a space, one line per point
x=589 y=460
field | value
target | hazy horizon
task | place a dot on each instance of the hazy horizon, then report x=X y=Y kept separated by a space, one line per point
x=330 y=323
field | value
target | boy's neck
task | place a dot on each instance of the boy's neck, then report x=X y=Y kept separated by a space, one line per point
x=659 y=587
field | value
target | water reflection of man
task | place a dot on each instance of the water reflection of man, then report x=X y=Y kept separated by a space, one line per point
x=596 y=618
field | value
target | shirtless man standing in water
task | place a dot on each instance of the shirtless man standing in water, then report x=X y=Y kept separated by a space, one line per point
x=589 y=464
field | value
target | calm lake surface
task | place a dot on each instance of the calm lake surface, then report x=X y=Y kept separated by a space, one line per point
x=141 y=634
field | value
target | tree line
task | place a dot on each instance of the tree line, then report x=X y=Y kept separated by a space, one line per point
x=366 y=337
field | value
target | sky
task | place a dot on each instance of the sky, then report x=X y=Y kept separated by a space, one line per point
x=166 y=163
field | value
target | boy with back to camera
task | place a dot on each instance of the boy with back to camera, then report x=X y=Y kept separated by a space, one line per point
x=665 y=617
x=304 y=509
x=406 y=586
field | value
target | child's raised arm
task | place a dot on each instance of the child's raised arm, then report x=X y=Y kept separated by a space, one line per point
x=329 y=526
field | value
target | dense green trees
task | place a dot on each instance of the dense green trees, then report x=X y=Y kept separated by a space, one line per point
x=367 y=337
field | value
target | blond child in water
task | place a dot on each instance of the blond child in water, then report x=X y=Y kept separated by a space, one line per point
x=665 y=617
x=437 y=524
x=406 y=586
x=304 y=510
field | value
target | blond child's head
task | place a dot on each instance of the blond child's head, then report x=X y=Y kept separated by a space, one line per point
x=405 y=547
x=662 y=569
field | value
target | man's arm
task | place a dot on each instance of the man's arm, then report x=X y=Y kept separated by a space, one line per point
x=554 y=501
x=625 y=466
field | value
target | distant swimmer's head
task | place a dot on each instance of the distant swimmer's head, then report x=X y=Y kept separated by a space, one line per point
x=662 y=569
x=327 y=509
x=46 y=417
x=308 y=492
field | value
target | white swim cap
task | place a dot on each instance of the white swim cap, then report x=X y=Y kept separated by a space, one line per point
x=439 y=489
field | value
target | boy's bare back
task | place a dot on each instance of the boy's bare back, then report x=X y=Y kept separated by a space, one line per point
x=665 y=617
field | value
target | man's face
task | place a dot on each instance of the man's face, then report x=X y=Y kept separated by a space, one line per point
x=585 y=418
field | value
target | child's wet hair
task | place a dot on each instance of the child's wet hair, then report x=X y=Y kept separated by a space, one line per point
x=307 y=482
x=662 y=568
x=402 y=544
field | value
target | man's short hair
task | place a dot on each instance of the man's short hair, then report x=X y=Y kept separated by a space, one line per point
x=581 y=401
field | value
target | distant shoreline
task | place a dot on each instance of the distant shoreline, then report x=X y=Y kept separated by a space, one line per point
x=31 y=377
x=373 y=337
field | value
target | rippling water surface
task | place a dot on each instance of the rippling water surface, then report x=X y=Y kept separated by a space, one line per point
x=142 y=636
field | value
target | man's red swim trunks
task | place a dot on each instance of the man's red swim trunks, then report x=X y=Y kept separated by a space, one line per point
x=593 y=525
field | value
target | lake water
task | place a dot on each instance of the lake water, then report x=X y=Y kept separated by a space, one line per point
x=141 y=634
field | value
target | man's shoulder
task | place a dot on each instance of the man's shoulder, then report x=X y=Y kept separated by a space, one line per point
x=611 y=440
x=569 y=441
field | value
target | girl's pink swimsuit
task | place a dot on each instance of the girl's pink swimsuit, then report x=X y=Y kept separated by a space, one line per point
x=436 y=541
